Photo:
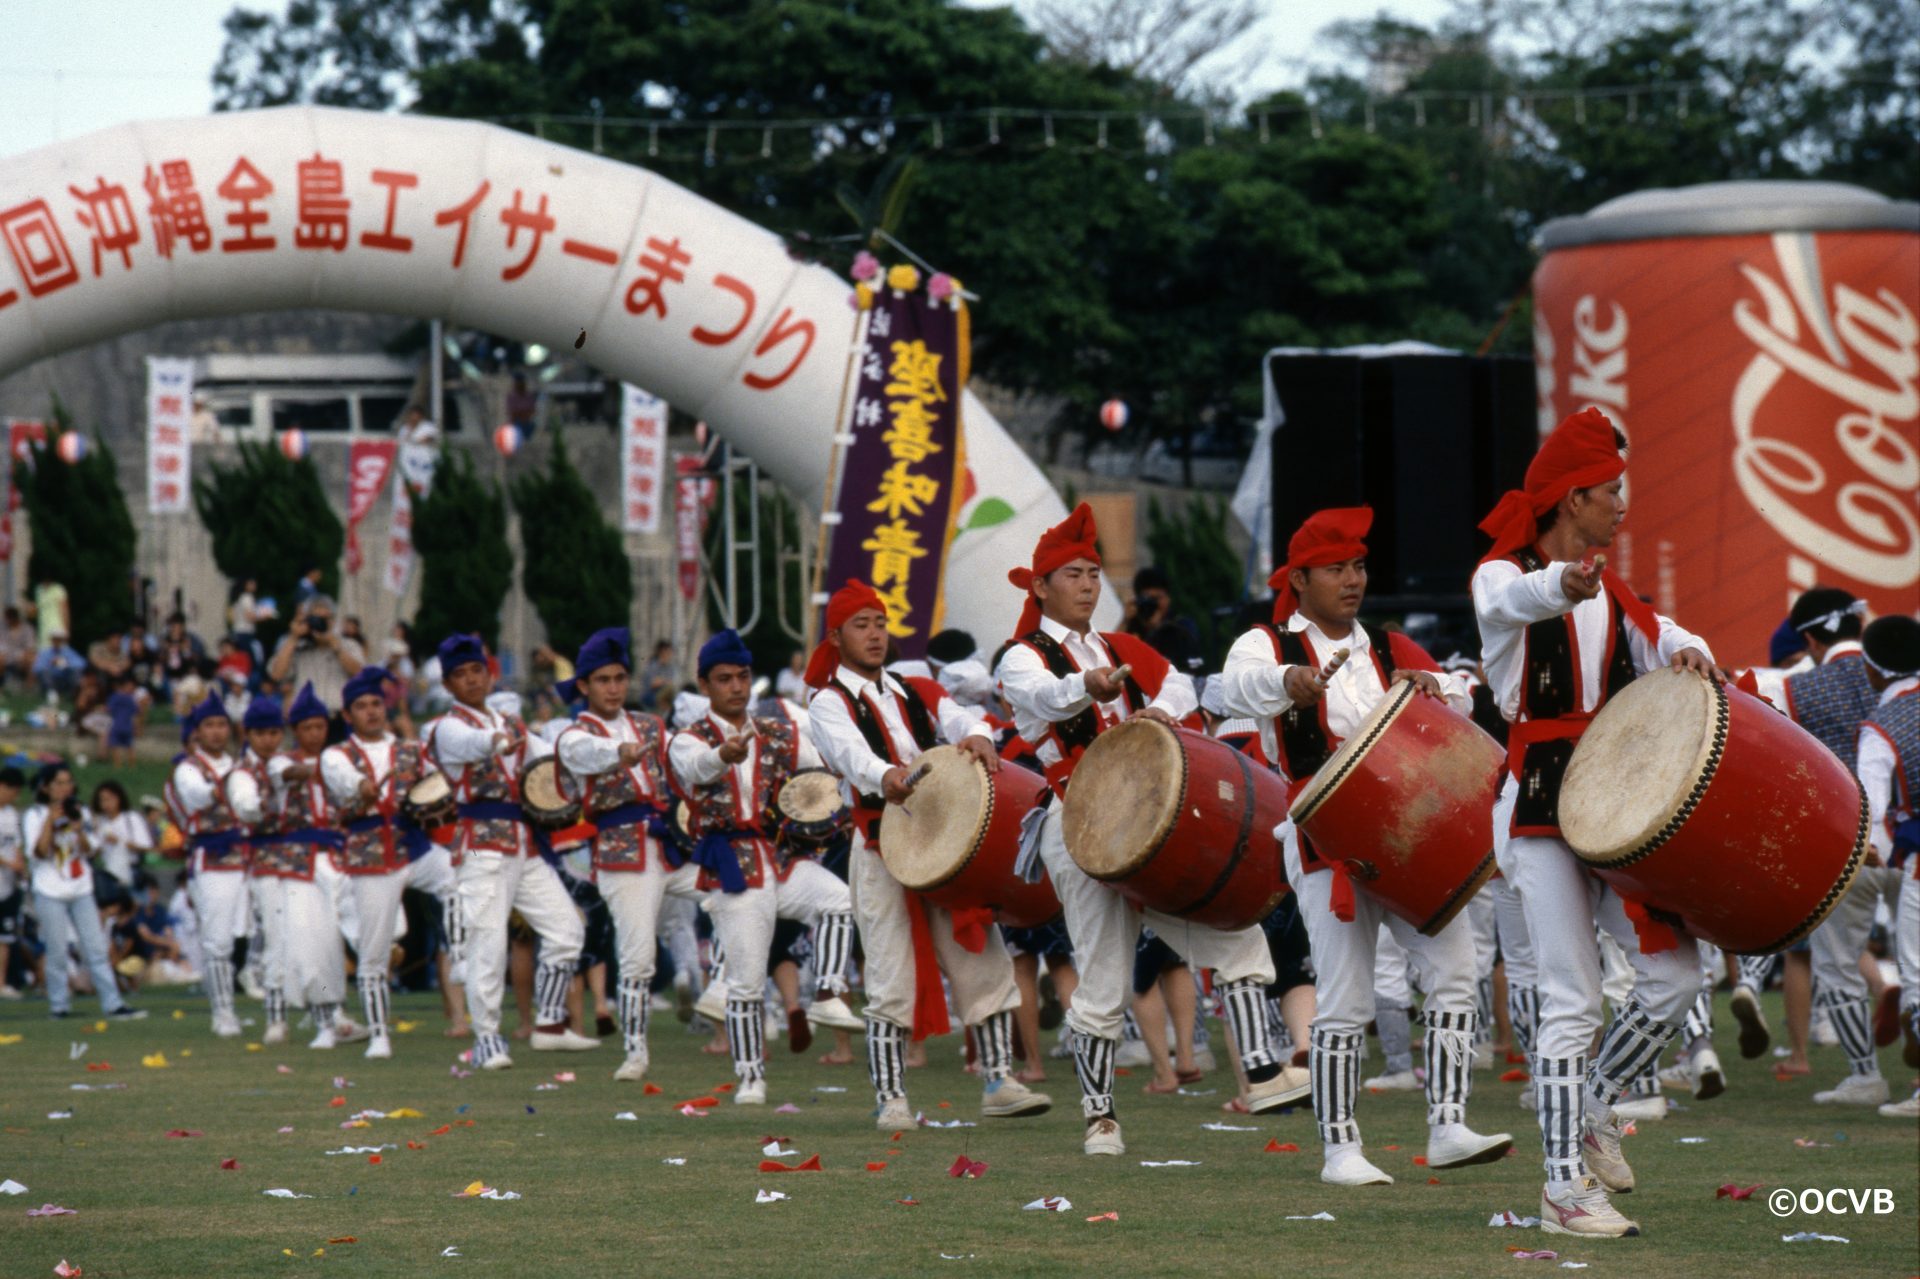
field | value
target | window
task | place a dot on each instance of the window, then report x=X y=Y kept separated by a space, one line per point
x=312 y=413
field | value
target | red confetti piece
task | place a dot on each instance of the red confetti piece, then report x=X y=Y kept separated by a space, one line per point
x=1121 y=1070
x=373 y=1159
x=1516 y=1059
x=1433 y=1181
x=1420 y=1161
x=1277 y=1147
x=338 y=1101
x=466 y=1123
x=343 y=1239
x=701 y=1103
x=441 y=1131
x=1731 y=1191
x=946 y=1105
x=893 y=1150
x=185 y=1132
x=908 y=1203
x=876 y=1166
x=968 y=1168
x=811 y=1164
x=1389 y=1147
x=1106 y=1216
x=723 y=1087
x=651 y=1090
x=895 y=1137
x=230 y=1165
x=416 y=1145
x=1514 y=1077
x=99 y=1065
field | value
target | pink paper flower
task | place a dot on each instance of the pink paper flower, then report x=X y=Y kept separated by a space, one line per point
x=942 y=286
x=865 y=266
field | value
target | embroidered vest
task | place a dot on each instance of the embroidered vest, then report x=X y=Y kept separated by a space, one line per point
x=624 y=847
x=1550 y=689
x=1899 y=721
x=1831 y=701
x=377 y=849
x=488 y=781
x=303 y=808
x=716 y=805
x=217 y=819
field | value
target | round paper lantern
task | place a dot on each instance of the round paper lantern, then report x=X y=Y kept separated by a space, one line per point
x=293 y=444
x=506 y=438
x=72 y=447
x=1113 y=414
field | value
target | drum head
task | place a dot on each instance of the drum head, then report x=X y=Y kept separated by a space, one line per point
x=1341 y=762
x=434 y=788
x=540 y=787
x=812 y=795
x=1640 y=763
x=929 y=841
x=1124 y=798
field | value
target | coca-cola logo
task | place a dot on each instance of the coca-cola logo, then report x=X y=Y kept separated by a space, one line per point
x=1853 y=513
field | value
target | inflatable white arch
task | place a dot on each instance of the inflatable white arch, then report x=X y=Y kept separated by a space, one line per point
x=478 y=225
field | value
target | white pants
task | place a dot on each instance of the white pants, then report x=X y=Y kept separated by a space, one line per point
x=677 y=929
x=1562 y=901
x=1345 y=955
x=1479 y=917
x=315 y=968
x=223 y=909
x=377 y=918
x=266 y=896
x=745 y=920
x=1392 y=973
x=492 y=886
x=982 y=984
x=1510 y=926
x=1906 y=946
x=1842 y=935
x=635 y=899
x=1105 y=928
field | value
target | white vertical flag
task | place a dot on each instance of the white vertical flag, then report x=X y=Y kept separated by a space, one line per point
x=419 y=458
x=169 y=434
x=643 y=459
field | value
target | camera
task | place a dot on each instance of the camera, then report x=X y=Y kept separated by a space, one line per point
x=318 y=625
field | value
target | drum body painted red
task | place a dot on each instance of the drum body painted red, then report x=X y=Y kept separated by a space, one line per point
x=1739 y=824
x=1406 y=804
x=1178 y=822
x=956 y=839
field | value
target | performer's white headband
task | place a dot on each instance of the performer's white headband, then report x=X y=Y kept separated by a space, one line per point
x=1831 y=621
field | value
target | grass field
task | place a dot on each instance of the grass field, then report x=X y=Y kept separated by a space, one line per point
x=598 y=1198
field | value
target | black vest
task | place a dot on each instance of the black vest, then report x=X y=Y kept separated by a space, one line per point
x=1075 y=734
x=919 y=725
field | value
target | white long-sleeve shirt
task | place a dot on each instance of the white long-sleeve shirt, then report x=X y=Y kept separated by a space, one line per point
x=697 y=764
x=121 y=839
x=1041 y=699
x=837 y=736
x=1876 y=766
x=1255 y=683
x=343 y=777
x=453 y=742
x=195 y=791
x=1507 y=600
x=65 y=876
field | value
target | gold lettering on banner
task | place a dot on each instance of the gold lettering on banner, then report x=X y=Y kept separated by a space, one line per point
x=1873 y=535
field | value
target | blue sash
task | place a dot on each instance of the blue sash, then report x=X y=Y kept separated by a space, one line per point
x=407 y=835
x=714 y=854
x=500 y=810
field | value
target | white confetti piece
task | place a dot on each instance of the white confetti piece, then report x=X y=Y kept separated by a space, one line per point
x=491 y=1193
x=628 y=1115
x=826 y=1088
x=769 y=1196
x=925 y=1122
x=772 y=1150
x=1051 y=1203
x=546 y=1087
x=75 y=1051
x=363 y=1150
x=1199 y=1092
x=12 y=1187
x=1509 y=1219
x=1573 y=1265
x=1220 y=1127
x=676 y=1161
x=1808 y=1236
x=450 y=1252
x=1692 y=1141
x=59 y=1114
x=1318 y=1216
x=283 y=1193
x=1169 y=1163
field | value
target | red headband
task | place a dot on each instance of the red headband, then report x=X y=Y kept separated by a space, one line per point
x=855 y=597
x=1579 y=454
x=1074 y=538
x=1332 y=536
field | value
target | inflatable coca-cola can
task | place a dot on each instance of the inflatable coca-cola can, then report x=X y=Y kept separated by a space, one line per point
x=1759 y=343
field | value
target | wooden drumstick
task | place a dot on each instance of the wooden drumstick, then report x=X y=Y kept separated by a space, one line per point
x=1122 y=671
x=1339 y=659
x=918 y=775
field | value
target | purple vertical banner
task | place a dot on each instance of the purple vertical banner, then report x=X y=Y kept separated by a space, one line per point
x=899 y=484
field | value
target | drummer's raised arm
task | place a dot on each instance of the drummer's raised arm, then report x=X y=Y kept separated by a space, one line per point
x=840 y=743
x=1031 y=687
x=1506 y=595
x=243 y=793
x=191 y=787
x=1254 y=683
x=341 y=777
x=959 y=721
x=455 y=741
x=806 y=755
x=587 y=754
x=694 y=762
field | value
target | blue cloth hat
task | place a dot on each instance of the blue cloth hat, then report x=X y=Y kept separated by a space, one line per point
x=1784 y=643
x=609 y=647
x=306 y=706
x=368 y=679
x=457 y=650
x=263 y=711
x=211 y=708
x=726 y=648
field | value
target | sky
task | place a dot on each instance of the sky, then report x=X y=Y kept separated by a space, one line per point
x=74 y=66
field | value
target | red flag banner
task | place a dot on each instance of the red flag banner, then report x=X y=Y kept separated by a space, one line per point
x=368 y=462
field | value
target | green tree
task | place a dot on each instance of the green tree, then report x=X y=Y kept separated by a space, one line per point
x=270 y=520
x=1191 y=547
x=575 y=569
x=83 y=537
x=460 y=534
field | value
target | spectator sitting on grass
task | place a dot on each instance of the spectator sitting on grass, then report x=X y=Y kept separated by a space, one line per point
x=57 y=668
x=142 y=653
x=108 y=654
x=181 y=653
x=90 y=705
x=124 y=708
x=18 y=645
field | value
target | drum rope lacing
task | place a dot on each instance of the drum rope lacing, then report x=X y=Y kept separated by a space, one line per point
x=1722 y=713
x=1353 y=760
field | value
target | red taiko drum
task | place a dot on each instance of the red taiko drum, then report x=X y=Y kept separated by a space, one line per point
x=1708 y=805
x=1407 y=804
x=1179 y=823
x=955 y=840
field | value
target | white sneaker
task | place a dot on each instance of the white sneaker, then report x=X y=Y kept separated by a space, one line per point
x=1009 y=1098
x=8 y=992
x=348 y=1031
x=565 y=1040
x=1856 y=1090
x=894 y=1115
x=1103 y=1138
x=1642 y=1109
x=1709 y=1079
x=1754 y=1035
x=276 y=1033
x=1582 y=1208
x=834 y=1014
x=1346 y=1166
x=1458 y=1146
x=501 y=1062
x=712 y=1003
x=1133 y=1052
x=324 y=1038
x=1483 y=1056
x=379 y=1048
x=226 y=1026
x=250 y=984
x=1290 y=1087
x=1600 y=1147
x=1398 y=1081
x=751 y=1093
x=1908 y=1109
x=633 y=1069
x=1678 y=1075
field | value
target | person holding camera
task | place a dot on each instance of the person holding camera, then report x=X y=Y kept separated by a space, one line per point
x=58 y=846
x=313 y=652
